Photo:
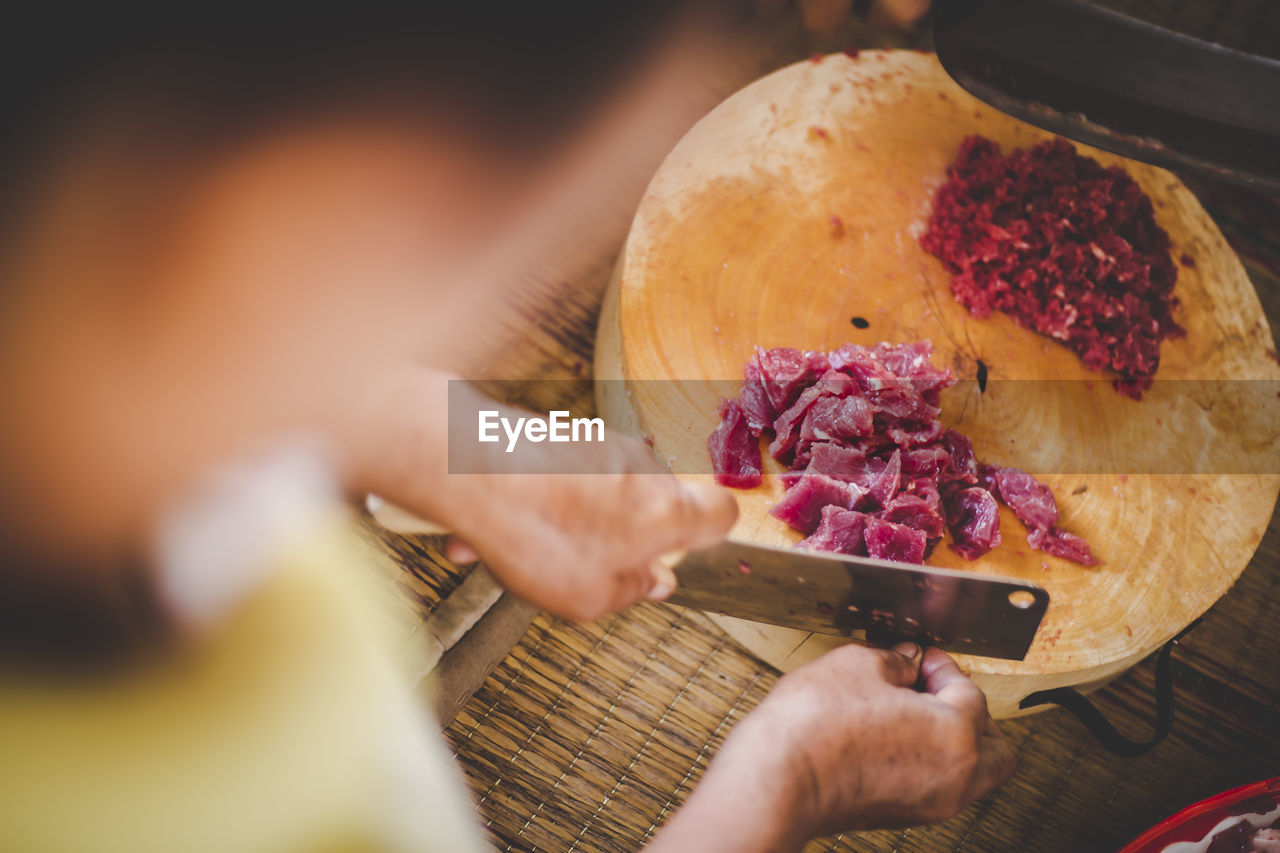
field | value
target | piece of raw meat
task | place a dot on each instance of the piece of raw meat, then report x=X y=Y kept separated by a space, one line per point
x=924 y=462
x=897 y=542
x=735 y=453
x=844 y=463
x=839 y=530
x=916 y=512
x=1031 y=501
x=756 y=407
x=886 y=482
x=962 y=465
x=801 y=505
x=974 y=521
x=860 y=430
x=836 y=419
x=1060 y=543
x=784 y=373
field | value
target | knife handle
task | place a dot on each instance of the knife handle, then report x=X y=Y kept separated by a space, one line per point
x=400 y=520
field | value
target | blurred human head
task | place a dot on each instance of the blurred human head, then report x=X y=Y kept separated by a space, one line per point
x=216 y=222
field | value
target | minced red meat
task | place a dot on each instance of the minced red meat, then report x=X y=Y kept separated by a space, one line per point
x=872 y=471
x=1062 y=245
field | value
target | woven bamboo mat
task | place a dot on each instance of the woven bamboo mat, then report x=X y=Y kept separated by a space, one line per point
x=589 y=734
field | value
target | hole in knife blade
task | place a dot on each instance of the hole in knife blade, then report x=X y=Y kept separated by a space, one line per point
x=1021 y=599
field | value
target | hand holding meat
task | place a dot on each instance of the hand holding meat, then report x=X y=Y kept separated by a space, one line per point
x=857 y=739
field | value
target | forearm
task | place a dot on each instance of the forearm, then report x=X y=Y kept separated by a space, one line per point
x=392 y=437
x=745 y=803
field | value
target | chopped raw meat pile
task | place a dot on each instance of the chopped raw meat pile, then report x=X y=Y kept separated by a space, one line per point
x=872 y=470
x=1065 y=247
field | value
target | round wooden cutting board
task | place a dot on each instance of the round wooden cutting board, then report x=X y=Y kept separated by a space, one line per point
x=797 y=204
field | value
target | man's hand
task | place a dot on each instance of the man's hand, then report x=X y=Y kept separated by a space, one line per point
x=585 y=545
x=579 y=545
x=857 y=739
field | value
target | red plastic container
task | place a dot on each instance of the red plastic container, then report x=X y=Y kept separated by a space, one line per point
x=1193 y=823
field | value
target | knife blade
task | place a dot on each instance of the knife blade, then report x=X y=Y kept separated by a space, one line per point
x=849 y=596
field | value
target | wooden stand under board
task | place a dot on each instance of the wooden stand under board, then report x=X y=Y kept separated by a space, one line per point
x=797 y=205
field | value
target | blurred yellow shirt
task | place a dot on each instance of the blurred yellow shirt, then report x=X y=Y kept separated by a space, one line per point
x=289 y=728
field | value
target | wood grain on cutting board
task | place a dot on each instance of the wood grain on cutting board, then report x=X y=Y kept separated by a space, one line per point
x=797 y=205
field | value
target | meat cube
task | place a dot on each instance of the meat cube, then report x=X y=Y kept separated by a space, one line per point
x=784 y=372
x=786 y=428
x=914 y=361
x=1060 y=543
x=755 y=401
x=897 y=542
x=915 y=512
x=909 y=435
x=735 y=453
x=962 y=466
x=897 y=403
x=866 y=369
x=842 y=463
x=839 y=530
x=801 y=505
x=880 y=478
x=927 y=490
x=923 y=462
x=1031 y=501
x=836 y=419
x=974 y=521
x=837 y=384
x=886 y=483
x=819 y=362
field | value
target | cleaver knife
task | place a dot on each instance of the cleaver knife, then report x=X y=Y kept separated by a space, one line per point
x=877 y=600
x=1082 y=70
